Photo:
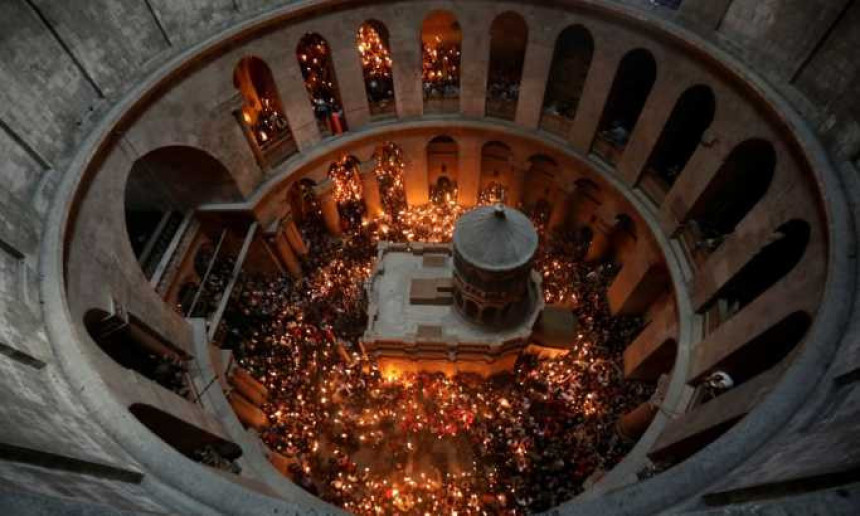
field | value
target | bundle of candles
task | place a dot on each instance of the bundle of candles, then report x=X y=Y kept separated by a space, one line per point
x=441 y=68
x=493 y=193
x=386 y=442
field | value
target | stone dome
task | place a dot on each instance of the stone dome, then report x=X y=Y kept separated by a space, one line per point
x=495 y=238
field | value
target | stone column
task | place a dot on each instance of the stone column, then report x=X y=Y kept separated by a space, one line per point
x=665 y=93
x=286 y=254
x=538 y=61
x=406 y=68
x=331 y=216
x=279 y=53
x=469 y=175
x=370 y=188
x=474 y=63
x=249 y=414
x=415 y=176
x=350 y=78
x=601 y=243
x=633 y=424
x=641 y=281
x=294 y=236
x=601 y=75
x=249 y=387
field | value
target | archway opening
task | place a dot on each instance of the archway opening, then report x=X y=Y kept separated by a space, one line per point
x=163 y=188
x=509 y=35
x=441 y=38
x=348 y=189
x=772 y=263
x=571 y=60
x=262 y=113
x=630 y=89
x=315 y=61
x=739 y=184
x=690 y=118
x=373 y=47
x=390 y=169
x=443 y=166
x=497 y=175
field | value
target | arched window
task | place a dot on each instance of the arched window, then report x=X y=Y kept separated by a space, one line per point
x=373 y=47
x=735 y=189
x=315 y=61
x=630 y=89
x=390 y=169
x=443 y=165
x=441 y=38
x=571 y=61
x=162 y=187
x=188 y=439
x=497 y=174
x=508 y=37
x=773 y=262
x=134 y=346
x=346 y=176
x=690 y=118
x=262 y=112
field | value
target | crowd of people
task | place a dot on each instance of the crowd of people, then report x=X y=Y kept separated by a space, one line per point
x=377 y=443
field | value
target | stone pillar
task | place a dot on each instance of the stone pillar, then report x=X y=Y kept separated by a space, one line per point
x=294 y=236
x=350 y=77
x=538 y=61
x=370 y=188
x=328 y=204
x=286 y=254
x=518 y=180
x=469 y=175
x=601 y=243
x=250 y=415
x=640 y=282
x=601 y=75
x=415 y=177
x=666 y=91
x=406 y=68
x=474 y=63
x=633 y=424
x=279 y=52
x=703 y=166
x=248 y=386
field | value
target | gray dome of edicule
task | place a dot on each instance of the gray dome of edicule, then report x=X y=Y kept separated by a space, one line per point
x=469 y=257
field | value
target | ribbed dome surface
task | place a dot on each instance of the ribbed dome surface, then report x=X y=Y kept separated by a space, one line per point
x=495 y=238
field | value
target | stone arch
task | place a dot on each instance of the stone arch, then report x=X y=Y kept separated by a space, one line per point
x=740 y=183
x=162 y=187
x=441 y=40
x=634 y=79
x=763 y=270
x=262 y=113
x=184 y=437
x=497 y=173
x=571 y=61
x=690 y=118
x=509 y=36
x=132 y=345
x=314 y=55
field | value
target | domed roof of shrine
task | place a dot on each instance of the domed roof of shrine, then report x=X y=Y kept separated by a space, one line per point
x=495 y=238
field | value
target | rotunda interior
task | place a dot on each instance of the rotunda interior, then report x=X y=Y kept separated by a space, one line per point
x=442 y=257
